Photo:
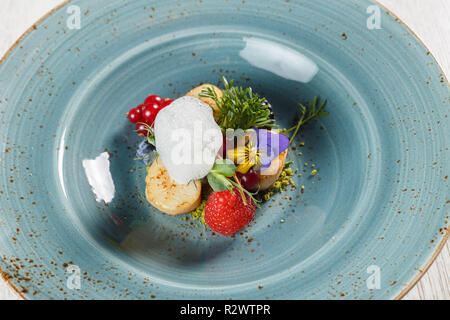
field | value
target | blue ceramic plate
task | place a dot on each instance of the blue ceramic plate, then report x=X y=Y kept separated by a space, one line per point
x=366 y=226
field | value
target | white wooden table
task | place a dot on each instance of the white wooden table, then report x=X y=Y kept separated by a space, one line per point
x=429 y=19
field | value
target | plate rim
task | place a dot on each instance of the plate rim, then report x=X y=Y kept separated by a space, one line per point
x=441 y=245
x=4 y=275
x=421 y=272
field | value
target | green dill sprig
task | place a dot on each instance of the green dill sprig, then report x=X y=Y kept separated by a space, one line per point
x=239 y=108
x=149 y=156
x=150 y=137
x=307 y=114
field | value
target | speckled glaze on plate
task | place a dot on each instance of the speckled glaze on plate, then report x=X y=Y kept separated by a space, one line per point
x=381 y=196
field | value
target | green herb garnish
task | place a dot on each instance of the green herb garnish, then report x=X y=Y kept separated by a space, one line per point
x=219 y=174
x=218 y=178
x=308 y=114
x=239 y=108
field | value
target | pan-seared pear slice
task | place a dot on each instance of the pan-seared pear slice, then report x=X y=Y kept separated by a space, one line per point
x=168 y=196
x=196 y=93
x=268 y=177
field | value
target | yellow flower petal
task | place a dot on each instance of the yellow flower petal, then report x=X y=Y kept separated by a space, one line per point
x=244 y=167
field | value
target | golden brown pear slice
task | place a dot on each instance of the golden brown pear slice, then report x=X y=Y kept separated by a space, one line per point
x=268 y=177
x=168 y=196
x=196 y=93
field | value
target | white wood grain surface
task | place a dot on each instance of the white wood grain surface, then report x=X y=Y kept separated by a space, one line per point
x=428 y=19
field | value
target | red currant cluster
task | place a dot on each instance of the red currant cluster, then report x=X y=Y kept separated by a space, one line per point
x=144 y=115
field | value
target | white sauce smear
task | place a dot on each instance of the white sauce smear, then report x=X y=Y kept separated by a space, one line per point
x=279 y=59
x=99 y=177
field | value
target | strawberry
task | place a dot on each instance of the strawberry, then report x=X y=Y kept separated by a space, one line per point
x=226 y=213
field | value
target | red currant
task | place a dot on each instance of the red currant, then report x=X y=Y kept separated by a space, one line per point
x=141 y=129
x=134 y=115
x=165 y=103
x=149 y=113
x=250 y=180
x=153 y=99
x=155 y=107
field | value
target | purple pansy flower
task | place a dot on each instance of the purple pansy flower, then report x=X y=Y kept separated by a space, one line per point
x=270 y=146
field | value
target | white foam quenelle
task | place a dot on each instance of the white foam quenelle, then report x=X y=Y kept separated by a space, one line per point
x=187 y=139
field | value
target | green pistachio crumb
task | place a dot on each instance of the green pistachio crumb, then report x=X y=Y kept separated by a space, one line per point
x=268 y=195
x=198 y=213
x=282 y=182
